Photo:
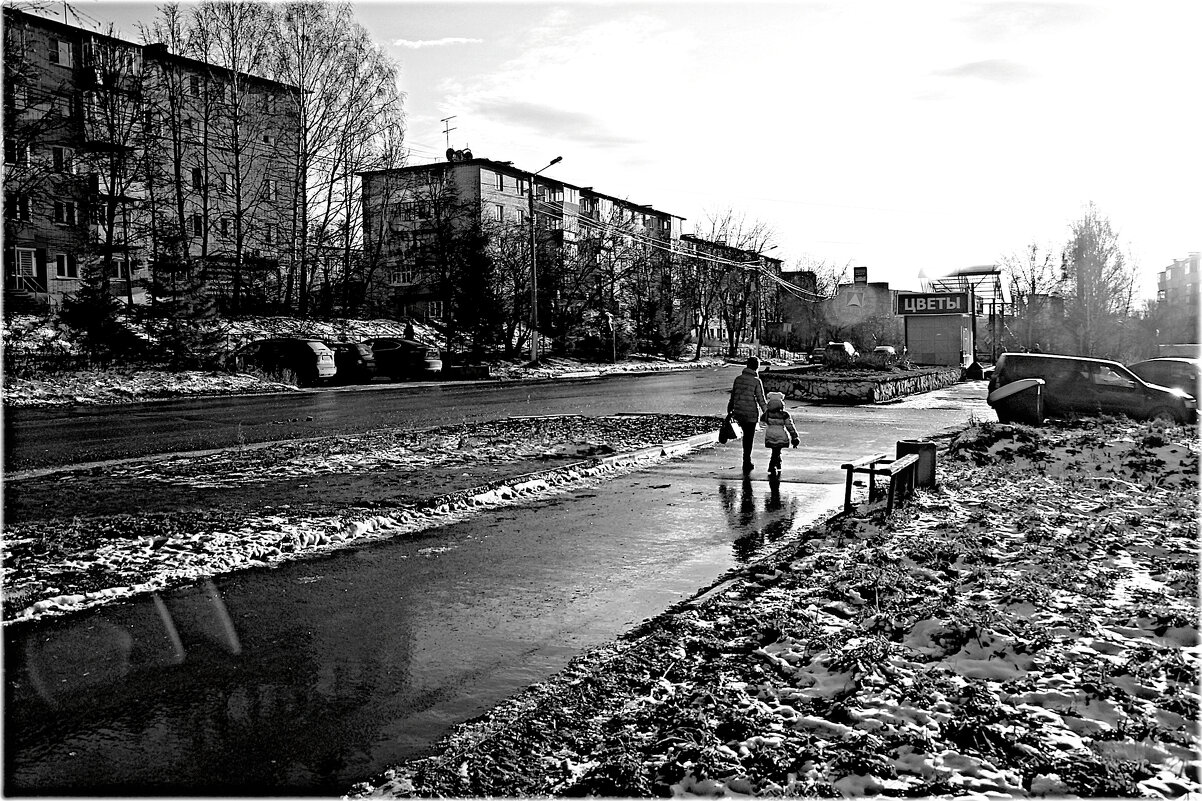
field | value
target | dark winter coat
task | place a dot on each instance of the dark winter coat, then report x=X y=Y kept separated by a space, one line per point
x=747 y=396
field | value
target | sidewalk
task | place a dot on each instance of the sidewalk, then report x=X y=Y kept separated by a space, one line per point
x=1028 y=628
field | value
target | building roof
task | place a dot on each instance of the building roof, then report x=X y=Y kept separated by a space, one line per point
x=155 y=50
x=984 y=281
x=507 y=167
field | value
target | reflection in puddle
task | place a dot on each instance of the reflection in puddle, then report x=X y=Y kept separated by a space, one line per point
x=757 y=515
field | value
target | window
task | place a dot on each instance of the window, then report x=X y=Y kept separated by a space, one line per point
x=522 y=186
x=16 y=206
x=500 y=182
x=413 y=210
x=226 y=227
x=268 y=103
x=63 y=159
x=27 y=263
x=16 y=152
x=198 y=179
x=64 y=212
x=60 y=52
x=498 y=212
x=571 y=195
x=434 y=309
x=194 y=85
x=268 y=139
x=65 y=105
x=198 y=225
x=403 y=276
x=227 y=183
x=121 y=268
x=189 y=124
x=520 y=216
x=270 y=189
x=64 y=266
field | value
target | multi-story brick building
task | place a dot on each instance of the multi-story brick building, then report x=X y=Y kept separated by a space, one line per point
x=762 y=311
x=115 y=150
x=596 y=253
x=1177 y=294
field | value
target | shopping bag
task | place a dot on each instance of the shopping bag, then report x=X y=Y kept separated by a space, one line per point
x=728 y=431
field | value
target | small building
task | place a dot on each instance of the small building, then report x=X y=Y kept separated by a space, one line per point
x=863 y=313
x=938 y=327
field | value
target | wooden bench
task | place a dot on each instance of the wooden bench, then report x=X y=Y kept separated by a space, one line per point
x=901 y=471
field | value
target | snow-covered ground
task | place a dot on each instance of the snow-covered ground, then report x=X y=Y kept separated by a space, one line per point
x=1028 y=628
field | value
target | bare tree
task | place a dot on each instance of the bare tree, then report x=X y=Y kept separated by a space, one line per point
x=736 y=294
x=1036 y=286
x=348 y=119
x=1103 y=282
x=239 y=38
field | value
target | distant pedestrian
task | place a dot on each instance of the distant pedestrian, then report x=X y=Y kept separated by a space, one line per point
x=780 y=432
x=746 y=401
x=408 y=329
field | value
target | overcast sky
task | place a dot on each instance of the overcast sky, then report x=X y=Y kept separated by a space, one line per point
x=913 y=138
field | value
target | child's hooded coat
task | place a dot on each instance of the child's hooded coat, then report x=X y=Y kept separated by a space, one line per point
x=780 y=432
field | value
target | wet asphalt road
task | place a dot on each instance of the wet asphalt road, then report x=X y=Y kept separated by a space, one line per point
x=303 y=679
x=46 y=438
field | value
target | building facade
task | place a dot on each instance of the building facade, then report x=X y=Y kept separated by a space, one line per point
x=595 y=253
x=737 y=296
x=122 y=157
x=1177 y=297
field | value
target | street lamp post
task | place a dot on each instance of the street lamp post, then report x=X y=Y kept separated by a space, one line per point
x=534 y=266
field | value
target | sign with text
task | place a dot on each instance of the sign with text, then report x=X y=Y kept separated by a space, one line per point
x=859 y=275
x=933 y=303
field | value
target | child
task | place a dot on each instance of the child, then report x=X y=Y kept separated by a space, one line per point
x=780 y=432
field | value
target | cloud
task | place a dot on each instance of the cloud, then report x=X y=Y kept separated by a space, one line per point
x=1006 y=20
x=417 y=44
x=551 y=121
x=998 y=70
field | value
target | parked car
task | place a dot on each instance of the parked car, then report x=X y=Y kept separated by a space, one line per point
x=355 y=361
x=405 y=358
x=1075 y=385
x=1171 y=372
x=818 y=355
x=840 y=353
x=293 y=360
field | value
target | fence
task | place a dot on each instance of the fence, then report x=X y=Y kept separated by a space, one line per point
x=24 y=363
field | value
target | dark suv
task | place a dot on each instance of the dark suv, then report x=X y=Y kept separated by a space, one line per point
x=1171 y=371
x=405 y=358
x=1075 y=385
x=299 y=361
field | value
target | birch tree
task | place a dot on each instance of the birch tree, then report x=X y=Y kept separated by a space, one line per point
x=348 y=118
x=239 y=37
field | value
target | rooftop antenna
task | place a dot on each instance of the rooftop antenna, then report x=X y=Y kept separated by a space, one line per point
x=446 y=129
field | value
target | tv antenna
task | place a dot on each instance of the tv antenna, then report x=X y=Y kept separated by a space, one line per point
x=446 y=129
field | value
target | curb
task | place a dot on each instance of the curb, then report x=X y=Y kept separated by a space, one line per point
x=526 y=483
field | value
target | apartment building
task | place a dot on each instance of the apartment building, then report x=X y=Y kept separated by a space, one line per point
x=765 y=311
x=596 y=253
x=1177 y=294
x=123 y=157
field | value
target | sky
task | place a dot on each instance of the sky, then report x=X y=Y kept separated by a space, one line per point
x=911 y=138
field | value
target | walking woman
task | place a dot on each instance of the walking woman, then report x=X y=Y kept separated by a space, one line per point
x=747 y=402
